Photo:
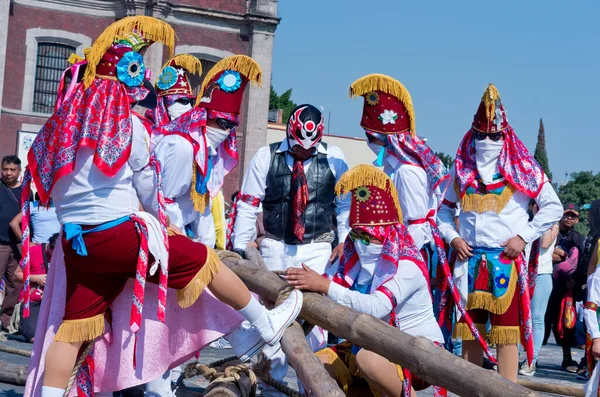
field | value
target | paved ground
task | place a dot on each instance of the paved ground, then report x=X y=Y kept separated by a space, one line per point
x=548 y=371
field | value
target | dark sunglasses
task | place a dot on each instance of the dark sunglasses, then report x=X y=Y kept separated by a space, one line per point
x=363 y=237
x=185 y=101
x=225 y=124
x=494 y=136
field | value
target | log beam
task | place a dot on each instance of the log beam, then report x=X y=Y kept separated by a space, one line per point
x=310 y=370
x=573 y=391
x=430 y=363
x=13 y=374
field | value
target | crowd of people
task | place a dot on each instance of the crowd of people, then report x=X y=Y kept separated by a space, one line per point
x=481 y=255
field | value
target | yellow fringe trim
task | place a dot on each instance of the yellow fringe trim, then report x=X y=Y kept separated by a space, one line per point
x=190 y=293
x=242 y=64
x=152 y=29
x=489 y=98
x=485 y=300
x=505 y=335
x=389 y=85
x=340 y=372
x=201 y=201
x=368 y=175
x=189 y=62
x=80 y=330
x=488 y=202
x=462 y=331
x=173 y=232
x=74 y=58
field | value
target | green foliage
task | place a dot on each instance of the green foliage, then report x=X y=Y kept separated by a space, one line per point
x=283 y=102
x=540 y=151
x=582 y=188
x=446 y=159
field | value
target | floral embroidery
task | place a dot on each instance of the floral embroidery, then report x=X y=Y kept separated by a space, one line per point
x=372 y=98
x=501 y=281
x=388 y=117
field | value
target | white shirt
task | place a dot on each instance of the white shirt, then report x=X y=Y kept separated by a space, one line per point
x=414 y=309
x=176 y=156
x=490 y=229
x=87 y=196
x=545 y=259
x=414 y=196
x=590 y=316
x=255 y=183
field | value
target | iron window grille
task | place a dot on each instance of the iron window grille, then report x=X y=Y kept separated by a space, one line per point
x=50 y=63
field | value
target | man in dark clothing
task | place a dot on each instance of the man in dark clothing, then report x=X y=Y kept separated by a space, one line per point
x=567 y=276
x=10 y=205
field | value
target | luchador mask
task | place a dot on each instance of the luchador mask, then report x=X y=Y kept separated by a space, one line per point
x=305 y=127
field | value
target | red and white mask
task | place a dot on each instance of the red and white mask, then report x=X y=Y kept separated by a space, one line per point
x=305 y=128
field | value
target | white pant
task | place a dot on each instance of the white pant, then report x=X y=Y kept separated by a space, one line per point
x=278 y=255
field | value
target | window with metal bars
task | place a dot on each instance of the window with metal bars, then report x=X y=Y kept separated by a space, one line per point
x=51 y=62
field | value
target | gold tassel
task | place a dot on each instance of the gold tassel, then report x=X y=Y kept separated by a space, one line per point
x=80 y=330
x=368 y=175
x=173 y=232
x=486 y=301
x=190 y=293
x=152 y=29
x=487 y=202
x=505 y=335
x=186 y=61
x=201 y=201
x=74 y=58
x=341 y=373
x=462 y=331
x=489 y=98
x=389 y=85
x=242 y=64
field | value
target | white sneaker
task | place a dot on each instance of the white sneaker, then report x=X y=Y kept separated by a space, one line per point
x=281 y=317
x=245 y=341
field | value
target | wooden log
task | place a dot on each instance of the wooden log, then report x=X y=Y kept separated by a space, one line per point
x=432 y=364
x=310 y=370
x=13 y=374
x=573 y=391
x=253 y=256
x=225 y=389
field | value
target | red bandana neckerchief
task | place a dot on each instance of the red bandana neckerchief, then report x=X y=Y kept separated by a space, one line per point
x=515 y=164
x=300 y=197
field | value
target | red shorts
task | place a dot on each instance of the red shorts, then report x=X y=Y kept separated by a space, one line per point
x=94 y=281
x=505 y=327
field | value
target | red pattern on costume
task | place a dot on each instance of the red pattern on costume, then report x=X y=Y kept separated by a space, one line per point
x=300 y=199
x=482 y=281
x=98 y=117
x=26 y=241
x=246 y=198
x=85 y=376
x=515 y=164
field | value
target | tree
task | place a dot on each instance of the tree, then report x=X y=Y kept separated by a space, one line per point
x=540 y=151
x=446 y=159
x=582 y=188
x=283 y=102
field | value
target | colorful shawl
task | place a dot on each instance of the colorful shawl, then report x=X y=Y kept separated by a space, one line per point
x=515 y=164
x=412 y=150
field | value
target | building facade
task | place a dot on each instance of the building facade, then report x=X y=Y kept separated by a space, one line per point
x=37 y=37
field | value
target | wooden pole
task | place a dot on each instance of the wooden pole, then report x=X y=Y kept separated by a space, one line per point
x=13 y=374
x=553 y=389
x=310 y=370
x=432 y=364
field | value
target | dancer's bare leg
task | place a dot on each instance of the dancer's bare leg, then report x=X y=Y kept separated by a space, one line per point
x=508 y=361
x=229 y=289
x=60 y=361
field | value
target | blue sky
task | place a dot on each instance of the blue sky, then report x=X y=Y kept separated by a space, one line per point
x=543 y=56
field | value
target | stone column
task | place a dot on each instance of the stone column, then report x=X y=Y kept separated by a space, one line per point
x=4 y=15
x=262 y=34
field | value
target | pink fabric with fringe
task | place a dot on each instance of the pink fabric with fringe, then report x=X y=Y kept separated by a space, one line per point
x=185 y=332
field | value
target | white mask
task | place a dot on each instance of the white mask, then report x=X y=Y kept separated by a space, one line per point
x=369 y=256
x=486 y=157
x=216 y=136
x=177 y=109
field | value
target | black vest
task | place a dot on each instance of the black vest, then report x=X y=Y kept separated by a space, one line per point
x=277 y=204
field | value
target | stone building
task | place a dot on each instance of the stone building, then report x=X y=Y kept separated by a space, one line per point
x=37 y=37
